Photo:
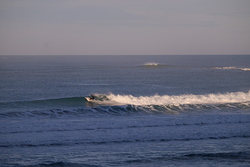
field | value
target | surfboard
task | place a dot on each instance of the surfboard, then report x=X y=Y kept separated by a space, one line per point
x=88 y=98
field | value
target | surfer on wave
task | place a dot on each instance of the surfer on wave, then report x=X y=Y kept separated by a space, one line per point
x=92 y=97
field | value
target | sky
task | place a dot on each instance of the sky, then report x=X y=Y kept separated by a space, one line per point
x=124 y=27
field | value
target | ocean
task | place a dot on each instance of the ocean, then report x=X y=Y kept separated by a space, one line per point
x=148 y=111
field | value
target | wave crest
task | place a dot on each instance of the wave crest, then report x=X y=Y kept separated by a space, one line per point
x=151 y=64
x=156 y=65
x=235 y=97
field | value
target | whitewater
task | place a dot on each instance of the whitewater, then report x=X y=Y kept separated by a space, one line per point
x=233 y=97
x=148 y=111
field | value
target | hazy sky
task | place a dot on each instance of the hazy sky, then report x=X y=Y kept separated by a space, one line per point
x=124 y=27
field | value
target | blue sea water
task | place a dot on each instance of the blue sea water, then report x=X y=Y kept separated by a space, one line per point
x=148 y=111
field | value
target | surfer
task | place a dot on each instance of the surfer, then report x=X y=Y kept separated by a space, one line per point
x=92 y=97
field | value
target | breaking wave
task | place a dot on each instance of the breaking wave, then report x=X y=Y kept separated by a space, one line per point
x=155 y=65
x=128 y=104
x=231 y=68
x=235 y=97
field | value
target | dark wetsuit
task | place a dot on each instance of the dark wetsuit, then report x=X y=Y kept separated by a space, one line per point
x=92 y=97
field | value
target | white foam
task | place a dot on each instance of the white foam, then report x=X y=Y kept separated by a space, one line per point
x=232 y=68
x=245 y=69
x=235 y=97
x=151 y=64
